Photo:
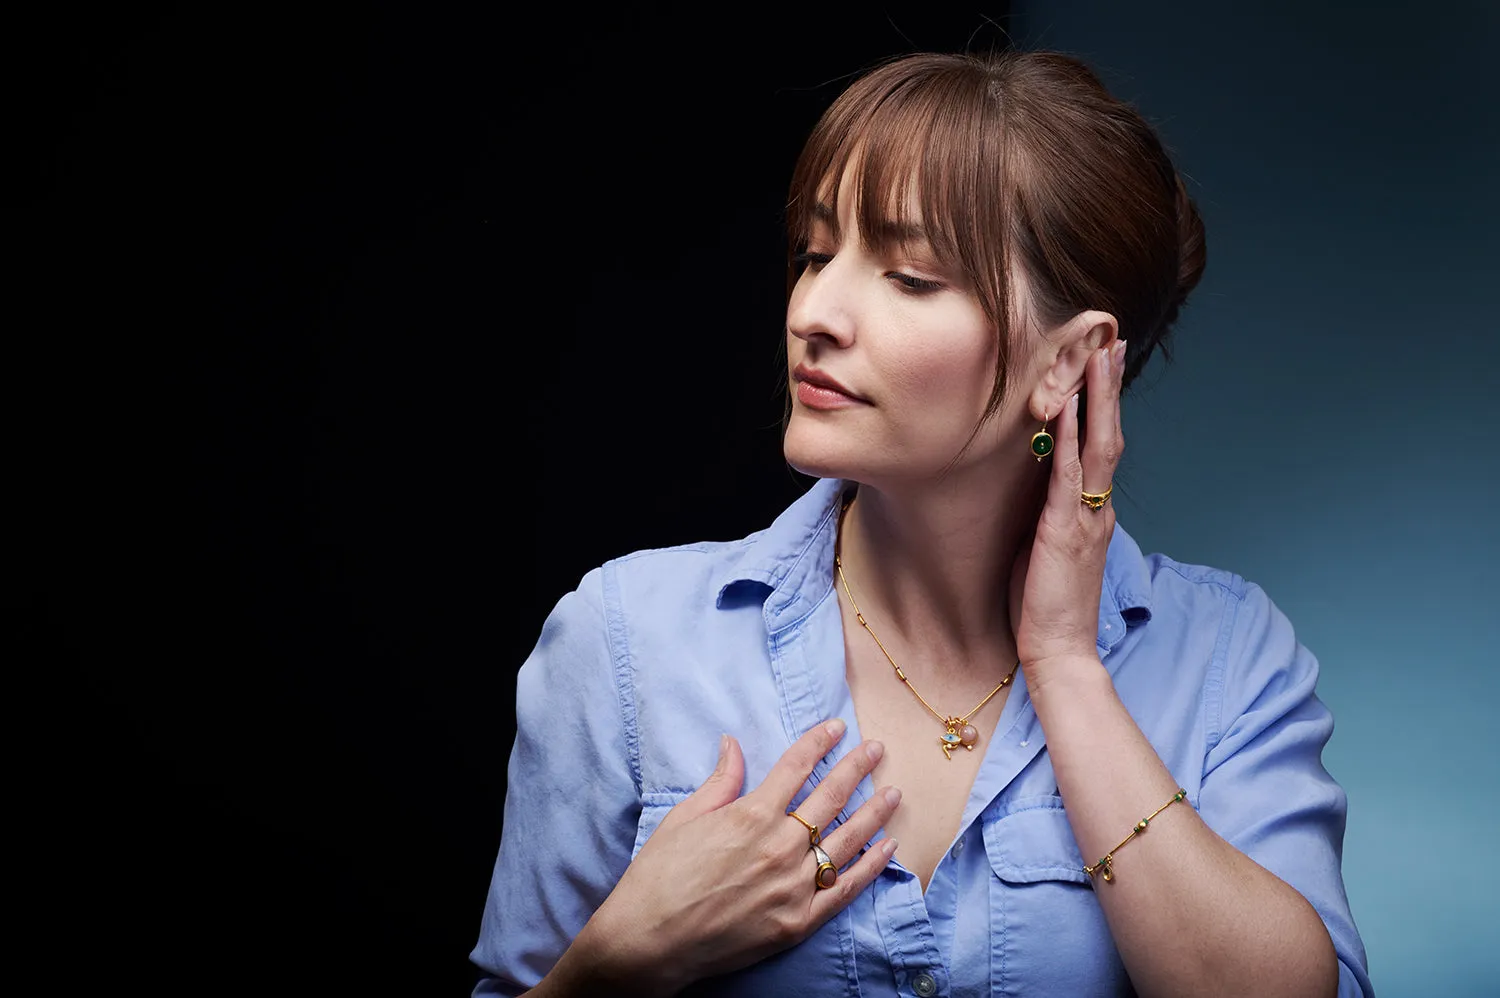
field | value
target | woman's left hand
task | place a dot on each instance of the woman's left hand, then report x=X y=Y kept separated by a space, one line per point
x=1059 y=572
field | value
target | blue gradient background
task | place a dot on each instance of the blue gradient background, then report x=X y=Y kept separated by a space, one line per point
x=1328 y=428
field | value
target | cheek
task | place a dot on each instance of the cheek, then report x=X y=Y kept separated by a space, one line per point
x=956 y=372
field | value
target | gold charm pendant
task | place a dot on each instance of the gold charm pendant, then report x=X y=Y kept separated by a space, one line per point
x=959 y=733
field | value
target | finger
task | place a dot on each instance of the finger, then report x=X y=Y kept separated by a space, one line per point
x=829 y=902
x=792 y=769
x=845 y=842
x=833 y=791
x=1067 y=471
x=1100 y=450
x=722 y=787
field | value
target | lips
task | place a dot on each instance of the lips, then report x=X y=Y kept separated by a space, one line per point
x=811 y=376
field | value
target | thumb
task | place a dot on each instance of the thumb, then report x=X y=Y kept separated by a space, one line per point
x=722 y=787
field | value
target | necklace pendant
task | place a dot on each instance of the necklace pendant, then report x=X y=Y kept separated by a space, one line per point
x=952 y=738
x=959 y=733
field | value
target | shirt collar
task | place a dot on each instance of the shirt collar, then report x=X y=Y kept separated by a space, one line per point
x=791 y=559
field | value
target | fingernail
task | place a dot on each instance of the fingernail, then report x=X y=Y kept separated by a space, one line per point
x=892 y=796
x=1073 y=405
x=835 y=728
x=723 y=752
x=1119 y=355
x=887 y=847
x=874 y=750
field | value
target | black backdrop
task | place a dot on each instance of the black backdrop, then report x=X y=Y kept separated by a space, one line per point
x=352 y=339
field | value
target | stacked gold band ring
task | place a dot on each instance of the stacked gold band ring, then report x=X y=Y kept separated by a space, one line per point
x=1096 y=500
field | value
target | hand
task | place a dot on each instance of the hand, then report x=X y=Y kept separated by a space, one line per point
x=1059 y=572
x=727 y=880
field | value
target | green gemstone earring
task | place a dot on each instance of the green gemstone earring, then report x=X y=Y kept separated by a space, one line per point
x=1041 y=442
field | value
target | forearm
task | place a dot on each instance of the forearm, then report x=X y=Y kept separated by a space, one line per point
x=1189 y=913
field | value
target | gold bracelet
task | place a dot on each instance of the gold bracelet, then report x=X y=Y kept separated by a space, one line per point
x=1105 y=865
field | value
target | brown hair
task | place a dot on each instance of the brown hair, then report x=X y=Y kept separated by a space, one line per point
x=1016 y=152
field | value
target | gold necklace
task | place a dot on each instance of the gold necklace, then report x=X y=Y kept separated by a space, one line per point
x=957 y=731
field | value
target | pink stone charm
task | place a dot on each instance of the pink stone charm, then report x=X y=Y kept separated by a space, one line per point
x=968 y=734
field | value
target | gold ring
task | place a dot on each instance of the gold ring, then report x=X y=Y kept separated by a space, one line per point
x=827 y=874
x=1096 y=500
x=813 y=838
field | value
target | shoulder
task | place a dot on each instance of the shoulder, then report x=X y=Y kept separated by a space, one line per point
x=724 y=573
x=1257 y=664
x=1173 y=595
x=1190 y=594
x=1209 y=615
x=695 y=559
x=1170 y=576
x=1249 y=626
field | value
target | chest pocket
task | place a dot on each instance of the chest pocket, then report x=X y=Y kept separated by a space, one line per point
x=820 y=965
x=654 y=807
x=1049 y=932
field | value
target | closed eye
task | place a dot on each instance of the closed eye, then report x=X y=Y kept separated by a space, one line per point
x=914 y=285
x=811 y=261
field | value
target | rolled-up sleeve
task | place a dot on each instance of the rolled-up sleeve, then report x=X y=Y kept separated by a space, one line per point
x=571 y=802
x=1264 y=788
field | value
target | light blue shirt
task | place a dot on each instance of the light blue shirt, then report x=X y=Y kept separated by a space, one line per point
x=638 y=672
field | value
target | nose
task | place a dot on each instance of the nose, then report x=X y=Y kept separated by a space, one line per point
x=822 y=306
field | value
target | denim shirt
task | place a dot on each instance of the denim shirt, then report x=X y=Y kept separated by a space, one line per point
x=637 y=672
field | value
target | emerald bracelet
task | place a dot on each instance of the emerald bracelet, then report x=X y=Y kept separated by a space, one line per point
x=1105 y=866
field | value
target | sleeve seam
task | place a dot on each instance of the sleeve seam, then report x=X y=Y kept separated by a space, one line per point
x=1214 y=683
x=622 y=668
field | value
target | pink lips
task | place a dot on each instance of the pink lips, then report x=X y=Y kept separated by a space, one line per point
x=817 y=390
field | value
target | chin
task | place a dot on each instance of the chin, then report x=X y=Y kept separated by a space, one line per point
x=820 y=451
x=812 y=451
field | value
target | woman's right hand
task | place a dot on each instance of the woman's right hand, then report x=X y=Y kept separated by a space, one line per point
x=727 y=880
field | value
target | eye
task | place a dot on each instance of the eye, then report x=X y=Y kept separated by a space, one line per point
x=811 y=261
x=914 y=285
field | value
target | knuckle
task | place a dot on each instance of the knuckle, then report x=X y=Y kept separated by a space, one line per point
x=759 y=810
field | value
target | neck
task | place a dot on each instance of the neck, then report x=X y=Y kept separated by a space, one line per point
x=933 y=566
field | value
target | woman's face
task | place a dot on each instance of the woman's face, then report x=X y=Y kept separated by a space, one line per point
x=909 y=344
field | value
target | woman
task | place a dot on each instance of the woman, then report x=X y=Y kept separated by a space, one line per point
x=970 y=739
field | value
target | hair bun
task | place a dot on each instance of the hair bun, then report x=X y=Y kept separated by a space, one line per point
x=1192 y=251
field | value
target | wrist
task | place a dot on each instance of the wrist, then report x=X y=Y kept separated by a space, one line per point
x=1065 y=678
x=607 y=958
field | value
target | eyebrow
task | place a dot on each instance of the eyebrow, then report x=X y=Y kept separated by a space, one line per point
x=886 y=230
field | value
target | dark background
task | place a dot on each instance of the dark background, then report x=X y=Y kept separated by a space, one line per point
x=351 y=338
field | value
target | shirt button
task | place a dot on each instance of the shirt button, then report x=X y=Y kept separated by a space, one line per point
x=924 y=985
x=957 y=850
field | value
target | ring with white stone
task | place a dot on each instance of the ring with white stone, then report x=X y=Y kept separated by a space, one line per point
x=827 y=874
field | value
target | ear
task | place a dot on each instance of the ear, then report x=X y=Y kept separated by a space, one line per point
x=1074 y=342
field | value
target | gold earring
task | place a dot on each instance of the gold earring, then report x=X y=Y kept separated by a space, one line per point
x=1041 y=442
